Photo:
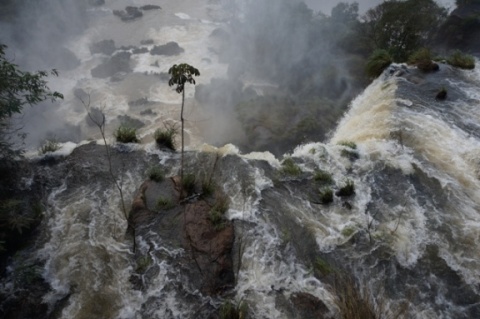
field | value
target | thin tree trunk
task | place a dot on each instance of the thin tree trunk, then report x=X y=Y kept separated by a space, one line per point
x=183 y=143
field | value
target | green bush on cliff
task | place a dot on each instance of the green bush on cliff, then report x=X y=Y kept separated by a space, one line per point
x=290 y=168
x=423 y=59
x=49 y=146
x=166 y=137
x=378 y=61
x=461 y=60
x=126 y=134
x=156 y=174
x=217 y=213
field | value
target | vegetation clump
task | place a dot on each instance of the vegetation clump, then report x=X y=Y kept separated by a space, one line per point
x=156 y=174
x=166 y=137
x=378 y=61
x=230 y=310
x=347 y=190
x=188 y=184
x=326 y=195
x=143 y=263
x=49 y=146
x=290 y=168
x=126 y=134
x=461 y=60
x=322 y=267
x=350 y=150
x=322 y=176
x=217 y=213
x=423 y=60
x=165 y=203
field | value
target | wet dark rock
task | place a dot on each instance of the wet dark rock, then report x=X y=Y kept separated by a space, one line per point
x=140 y=50
x=140 y=102
x=428 y=66
x=106 y=47
x=120 y=62
x=25 y=303
x=130 y=121
x=148 y=112
x=170 y=48
x=127 y=47
x=150 y=7
x=129 y=14
x=146 y=42
x=96 y=3
x=441 y=95
x=118 y=77
x=208 y=263
x=307 y=306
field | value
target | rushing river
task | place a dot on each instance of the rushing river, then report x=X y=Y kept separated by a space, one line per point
x=409 y=234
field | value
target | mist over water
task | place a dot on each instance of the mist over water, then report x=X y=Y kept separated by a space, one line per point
x=409 y=233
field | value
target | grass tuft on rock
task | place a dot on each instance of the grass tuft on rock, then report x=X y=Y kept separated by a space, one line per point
x=377 y=62
x=230 y=310
x=217 y=213
x=290 y=168
x=156 y=174
x=326 y=195
x=166 y=137
x=321 y=176
x=347 y=190
x=126 y=134
x=423 y=59
x=164 y=203
x=49 y=146
x=461 y=60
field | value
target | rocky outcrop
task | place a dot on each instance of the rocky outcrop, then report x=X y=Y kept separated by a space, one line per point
x=208 y=262
x=120 y=62
x=170 y=48
x=106 y=47
x=129 y=14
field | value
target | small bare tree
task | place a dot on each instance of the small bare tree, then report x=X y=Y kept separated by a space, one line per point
x=99 y=121
x=181 y=74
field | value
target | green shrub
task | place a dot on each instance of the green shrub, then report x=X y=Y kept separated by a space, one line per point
x=461 y=60
x=11 y=216
x=188 y=184
x=422 y=58
x=321 y=267
x=322 y=176
x=165 y=203
x=347 y=190
x=377 y=62
x=349 y=144
x=326 y=195
x=208 y=188
x=49 y=146
x=156 y=174
x=290 y=168
x=351 y=150
x=217 y=213
x=166 y=137
x=126 y=134
x=143 y=263
x=229 y=310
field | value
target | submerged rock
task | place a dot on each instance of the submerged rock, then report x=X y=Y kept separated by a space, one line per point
x=170 y=48
x=130 y=13
x=120 y=62
x=106 y=47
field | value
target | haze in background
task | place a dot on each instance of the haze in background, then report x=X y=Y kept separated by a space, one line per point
x=326 y=6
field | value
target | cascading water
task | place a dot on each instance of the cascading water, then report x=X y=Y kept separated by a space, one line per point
x=408 y=235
